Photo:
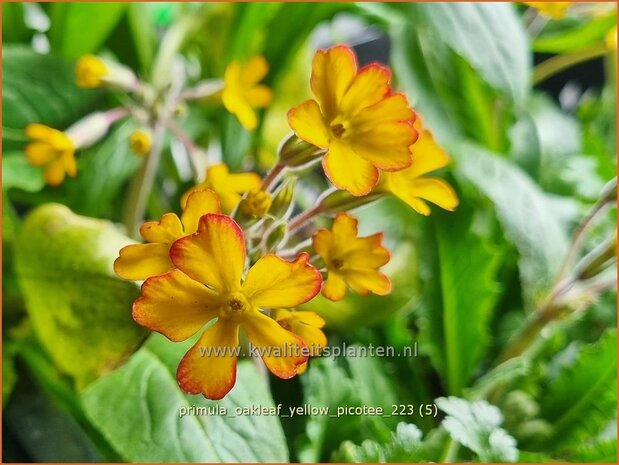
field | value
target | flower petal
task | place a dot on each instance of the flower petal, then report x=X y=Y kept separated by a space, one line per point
x=254 y=70
x=38 y=131
x=427 y=156
x=387 y=146
x=140 y=261
x=321 y=243
x=334 y=288
x=362 y=281
x=213 y=372
x=175 y=305
x=259 y=96
x=199 y=203
x=274 y=282
x=436 y=191
x=69 y=163
x=368 y=87
x=307 y=122
x=281 y=350
x=365 y=252
x=164 y=231
x=215 y=255
x=54 y=172
x=349 y=171
x=333 y=71
x=243 y=182
x=40 y=153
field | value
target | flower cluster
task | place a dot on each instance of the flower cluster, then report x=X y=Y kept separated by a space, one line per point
x=242 y=257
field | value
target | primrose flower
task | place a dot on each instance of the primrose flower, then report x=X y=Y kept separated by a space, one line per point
x=140 y=261
x=208 y=284
x=412 y=187
x=52 y=149
x=228 y=186
x=553 y=10
x=306 y=325
x=92 y=72
x=242 y=93
x=256 y=204
x=140 y=142
x=351 y=260
x=363 y=125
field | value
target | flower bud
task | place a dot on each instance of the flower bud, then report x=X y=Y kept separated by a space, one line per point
x=141 y=142
x=340 y=201
x=256 y=203
x=92 y=72
x=282 y=198
x=295 y=152
x=90 y=129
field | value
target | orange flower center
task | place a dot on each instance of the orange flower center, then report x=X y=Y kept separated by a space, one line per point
x=337 y=263
x=235 y=304
x=339 y=128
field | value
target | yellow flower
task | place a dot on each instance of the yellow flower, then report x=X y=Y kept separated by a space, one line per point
x=228 y=187
x=363 y=125
x=207 y=284
x=256 y=204
x=140 y=261
x=351 y=260
x=306 y=325
x=52 y=149
x=242 y=93
x=140 y=142
x=611 y=39
x=92 y=71
x=412 y=187
x=553 y=10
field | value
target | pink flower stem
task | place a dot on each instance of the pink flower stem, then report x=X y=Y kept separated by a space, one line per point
x=300 y=220
x=272 y=176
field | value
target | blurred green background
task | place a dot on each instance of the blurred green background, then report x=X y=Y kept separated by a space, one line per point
x=525 y=105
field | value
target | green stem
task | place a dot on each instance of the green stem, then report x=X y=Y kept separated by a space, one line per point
x=272 y=176
x=450 y=451
x=559 y=63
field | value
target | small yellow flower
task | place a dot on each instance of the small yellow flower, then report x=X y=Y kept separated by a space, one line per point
x=208 y=284
x=52 y=149
x=553 y=10
x=229 y=187
x=256 y=204
x=140 y=261
x=90 y=71
x=351 y=260
x=359 y=121
x=412 y=187
x=611 y=39
x=308 y=326
x=242 y=93
x=140 y=142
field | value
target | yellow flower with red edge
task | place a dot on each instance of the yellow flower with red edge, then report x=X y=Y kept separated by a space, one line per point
x=140 y=261
x=411 y=186
x=355 y=116
x=351 y=261
x=208 y=284
x=229 y=187
x=242 y=93
x=308 y=326
x=52 y=149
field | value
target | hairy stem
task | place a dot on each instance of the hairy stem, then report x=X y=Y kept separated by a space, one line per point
x=272 y=176
x=300 y=220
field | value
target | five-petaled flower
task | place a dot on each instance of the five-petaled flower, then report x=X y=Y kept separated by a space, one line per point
x=351 y=260
x=308 y=326
x=242 y=93
x=359 y=121
x=412 y=187
x=208 y=285
x=229 y=187
x=52 y=149
x=140 y=261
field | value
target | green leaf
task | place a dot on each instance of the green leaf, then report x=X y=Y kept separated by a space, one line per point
x=79 y=28
x=9 y=375
x=476 y=425
x=145 y=395
x=528 y=217
x=14 y=27
x=38 y=89
x=457 y=334
x=576 y=38
x=80 y=310
x=17 y=172
x=580 y=401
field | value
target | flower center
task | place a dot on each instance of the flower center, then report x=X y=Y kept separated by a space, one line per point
x=337 y=263
x=235 y=304
x=338 y=129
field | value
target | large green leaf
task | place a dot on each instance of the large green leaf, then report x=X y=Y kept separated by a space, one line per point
x=527 y=215
x=581 y=400
x=138 y=410
x=79 y=28
x=17 y=172
x=456 y=327
x=80 y=311
x=38 y=89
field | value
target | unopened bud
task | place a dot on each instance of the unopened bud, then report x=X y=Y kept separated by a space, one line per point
x=282 y=199
x=256 y=203
x=295 y=152
x=340 y=201
x=89 y=129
